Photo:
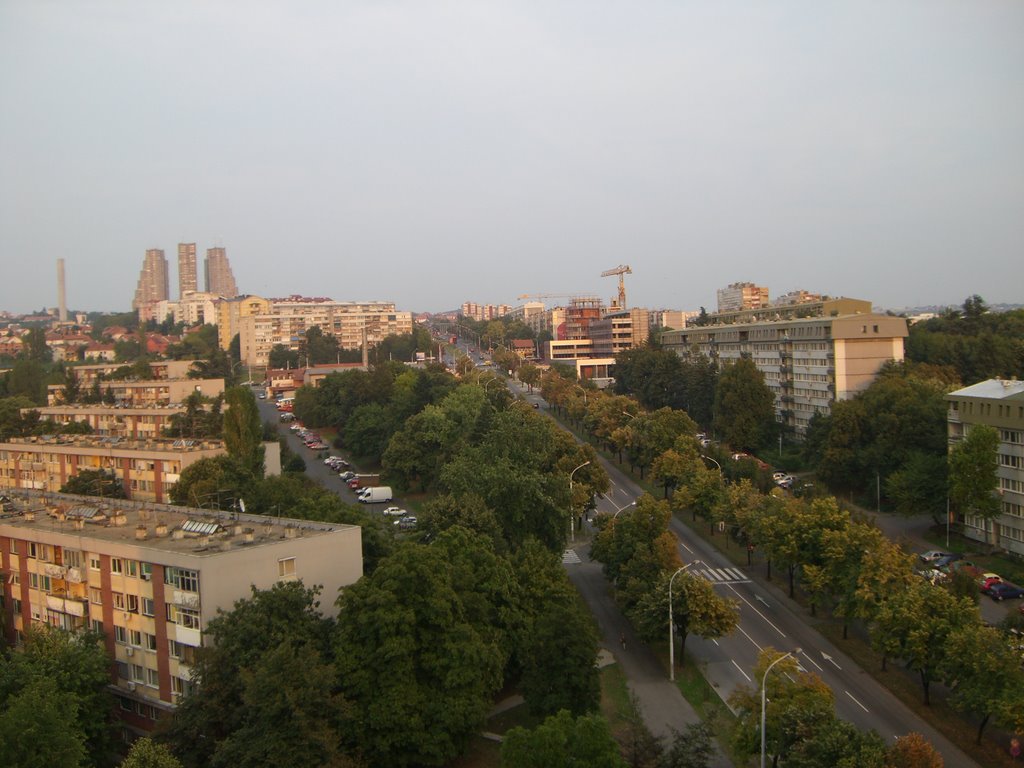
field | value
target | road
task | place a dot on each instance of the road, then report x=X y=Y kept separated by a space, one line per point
x=769 y=618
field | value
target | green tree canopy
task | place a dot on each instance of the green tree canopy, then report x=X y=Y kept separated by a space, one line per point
x=562 y=741
x=744 y=406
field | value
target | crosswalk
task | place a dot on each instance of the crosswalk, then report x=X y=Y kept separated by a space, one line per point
x=569 y=557
x=722 y=575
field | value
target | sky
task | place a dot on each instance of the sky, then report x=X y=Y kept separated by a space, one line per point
x=431 y=153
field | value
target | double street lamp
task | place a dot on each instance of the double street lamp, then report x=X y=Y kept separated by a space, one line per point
x=671 y=628
x=624 y=506
x=764 y=681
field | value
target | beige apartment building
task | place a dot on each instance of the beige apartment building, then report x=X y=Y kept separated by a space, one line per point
x=86 y=375
x=146 y=468
x=220 y=280
x=152 y=286
x=148 y=393
x=808 y=363
x=150 y=577
x=230 y=313
x=353 y=324
x=998 y=403
x=109 y=421
x=193 y=308
x=739 y=296
x=620 y=330
x=188 y=281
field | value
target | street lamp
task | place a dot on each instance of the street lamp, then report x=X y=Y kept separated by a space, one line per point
x=708 y=458
x=631 y=504
x=671 y=636
x=572 y=527
x=764 y=681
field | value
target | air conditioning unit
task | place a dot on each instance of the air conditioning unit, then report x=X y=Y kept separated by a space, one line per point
x=131 y=686
x=129 y=651
x=146 y=576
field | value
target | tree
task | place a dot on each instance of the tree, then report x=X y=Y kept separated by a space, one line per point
x=219 y=481
x=838 y=744
x=562 y=741
x=245 y=653
x=95 y=482
x=37 y=729
x=27 y=378
x=529 y=374
x=913 y=751
x=419 y=675
x=34 y=346
x=693 y=748
x=744 y=406
x=243 y=431
x=696 y=608
x=972 y=474
x=282 y=357
x=984 y=675
x=146 y=753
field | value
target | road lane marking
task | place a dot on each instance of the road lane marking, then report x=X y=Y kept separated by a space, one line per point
x=804 y=654
x=828 y=658
x=683 y=545
x=856 y=702
x=569 y=557
x=722 y=575
x=741 y=629
x=762 y=601
x=741 y=671
x=766 y=619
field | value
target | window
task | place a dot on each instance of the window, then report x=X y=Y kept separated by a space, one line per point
x=97 y=626
x=135 y=637
x=131 y=568
x=124 y=702
x=182 y=578
x=116 y=565
x=72 y=558
x=94 y=562
x=186 y=617
x=148 y=607
x=150 y=641
x=120 y=634
x=118 y=598
x=138 y=673
x=146 y=571
x=39 y=581
x=95 y=596
x=132 y=603
x=286 y=567
x=153 y=678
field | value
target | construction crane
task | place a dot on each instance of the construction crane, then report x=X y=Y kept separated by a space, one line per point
x=622 y=269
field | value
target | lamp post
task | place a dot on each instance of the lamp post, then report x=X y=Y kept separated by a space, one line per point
x=572 y=527
x=708 y=458
x=671 y=628
x=624 y=506
x=764 y=681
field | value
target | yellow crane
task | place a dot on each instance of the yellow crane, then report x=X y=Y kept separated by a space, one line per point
x=622 y=269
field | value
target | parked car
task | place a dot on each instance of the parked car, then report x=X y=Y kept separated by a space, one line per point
x=932 y=555
x=776 y=476
x=1002 y=590
x=406 y=523
x=988 y=578
x=740 y=456
x=946 y=560
x=395 y=512
x=785 y=482
x=347 y=475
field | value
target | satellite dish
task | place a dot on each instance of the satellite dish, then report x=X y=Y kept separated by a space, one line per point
x=241 y=504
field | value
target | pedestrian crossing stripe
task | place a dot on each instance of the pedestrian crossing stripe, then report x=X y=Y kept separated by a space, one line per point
x=570 y=557
x=722 y=575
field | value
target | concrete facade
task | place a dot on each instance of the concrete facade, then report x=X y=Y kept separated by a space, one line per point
x=997 y=403
x=108 y=421
x=150 y=577
x=807 y=363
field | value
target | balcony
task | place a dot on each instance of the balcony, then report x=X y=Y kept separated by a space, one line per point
x=68 y=605
x=55 y=571
x=186 y=599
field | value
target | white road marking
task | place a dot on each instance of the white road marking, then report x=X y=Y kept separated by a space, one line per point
x=856 y=702
x=762 y=601
x=683 y=545
x=741 y=629
x=828 y=658
x=722 y=575
x=804 y=654
x=742 y=672
x=569 y=557
x=767 y=620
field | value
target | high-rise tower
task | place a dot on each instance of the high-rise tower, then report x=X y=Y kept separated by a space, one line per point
x=152 y=282
x=219 y=278
x=62 y=300
x=186 y=269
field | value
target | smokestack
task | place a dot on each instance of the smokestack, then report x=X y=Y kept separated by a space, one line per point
x=62 y=303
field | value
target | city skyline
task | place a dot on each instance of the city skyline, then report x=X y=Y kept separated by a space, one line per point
x=429 y=155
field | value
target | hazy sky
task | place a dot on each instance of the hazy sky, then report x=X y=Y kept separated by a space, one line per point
x=430 y=153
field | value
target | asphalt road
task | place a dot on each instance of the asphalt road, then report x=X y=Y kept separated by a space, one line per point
x=769 y=618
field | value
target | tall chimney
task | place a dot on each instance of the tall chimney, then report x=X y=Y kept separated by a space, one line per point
x=62 y=303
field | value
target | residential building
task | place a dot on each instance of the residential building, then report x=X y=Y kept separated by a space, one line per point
x=187 y=278
x=230 y=312
x=86 y=375
x=193 y=308
x=152 y=286
x=580 y=313
x=111 y=421
x=484 y=311
x=670 y=319
x=146 y=393
x=808 y=363
x=220 y=280
x=620 y=330
x=150 y=578
x=738 y=296
x=354 y=324
x=825 y=308
x=997 y=403
x=146 y=468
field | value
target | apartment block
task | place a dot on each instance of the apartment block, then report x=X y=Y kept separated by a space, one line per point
x=220 y=280
x=86 y=375
x=997 y=403
x=738 y=296
x=193 y=308
x=187 y=277
x=152 y=286
x=230 y=312
x=808 y=363
x=353 y=324
x=620 y=330
x=146 y=468
x=150 y=577
x=147 y=393
x=109 y=421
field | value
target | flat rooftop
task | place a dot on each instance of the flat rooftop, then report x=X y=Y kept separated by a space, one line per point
x=164 y=527
x=104 y=443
